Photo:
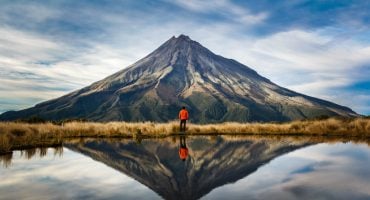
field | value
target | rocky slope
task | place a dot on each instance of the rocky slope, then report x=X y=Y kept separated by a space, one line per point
x=181 y=72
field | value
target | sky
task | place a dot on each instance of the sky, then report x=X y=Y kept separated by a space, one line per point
x=50 y=48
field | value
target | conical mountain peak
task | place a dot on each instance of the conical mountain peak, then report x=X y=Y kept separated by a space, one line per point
x=182 y=72
x=182 y=42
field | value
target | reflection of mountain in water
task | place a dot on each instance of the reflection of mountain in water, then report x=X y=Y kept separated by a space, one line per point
x=211 y=162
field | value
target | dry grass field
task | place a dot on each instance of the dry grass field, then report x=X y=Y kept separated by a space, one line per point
x=14 y=135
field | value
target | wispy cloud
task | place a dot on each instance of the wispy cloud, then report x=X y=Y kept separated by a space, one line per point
x=224 y=8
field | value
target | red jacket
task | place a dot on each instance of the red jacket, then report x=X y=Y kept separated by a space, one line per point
x=183 y=114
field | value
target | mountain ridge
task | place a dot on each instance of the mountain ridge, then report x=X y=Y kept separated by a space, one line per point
x=181 y=72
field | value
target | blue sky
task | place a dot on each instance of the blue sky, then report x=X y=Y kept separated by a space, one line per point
x=50 y=48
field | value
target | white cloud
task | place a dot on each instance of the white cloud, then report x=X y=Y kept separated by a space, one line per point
x=312 y=51
x=320 y=86
x=226 y=8
x=36 y=67
x=25 y=46
x=29 y=12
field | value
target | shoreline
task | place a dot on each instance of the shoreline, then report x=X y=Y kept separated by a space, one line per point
x=15 y=135
x=138 y=139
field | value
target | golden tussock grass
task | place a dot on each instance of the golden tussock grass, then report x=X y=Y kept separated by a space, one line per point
x=359 y=127
x=14 y=135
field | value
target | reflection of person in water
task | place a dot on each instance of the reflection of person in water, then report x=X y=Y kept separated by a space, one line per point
x=183 y=151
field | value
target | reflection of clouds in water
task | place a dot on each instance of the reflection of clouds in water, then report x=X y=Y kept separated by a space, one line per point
x=72 y=176
x=6 y=160
x=328 y=171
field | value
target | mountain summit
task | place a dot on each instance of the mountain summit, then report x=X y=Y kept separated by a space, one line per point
x=181 y=72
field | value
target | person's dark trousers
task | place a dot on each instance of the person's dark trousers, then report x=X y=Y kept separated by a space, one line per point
x=182 y=142
x=182 y=125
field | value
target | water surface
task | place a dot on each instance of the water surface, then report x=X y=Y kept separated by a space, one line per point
x=214 y=168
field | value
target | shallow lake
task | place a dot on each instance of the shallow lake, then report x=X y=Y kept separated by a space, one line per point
x=217 y=167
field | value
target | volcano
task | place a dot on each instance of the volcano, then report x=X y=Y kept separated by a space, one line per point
x=181 y=72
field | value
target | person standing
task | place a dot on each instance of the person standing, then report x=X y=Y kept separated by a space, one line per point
x=183 y=116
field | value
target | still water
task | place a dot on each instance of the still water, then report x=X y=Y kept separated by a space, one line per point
x=189 y=168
